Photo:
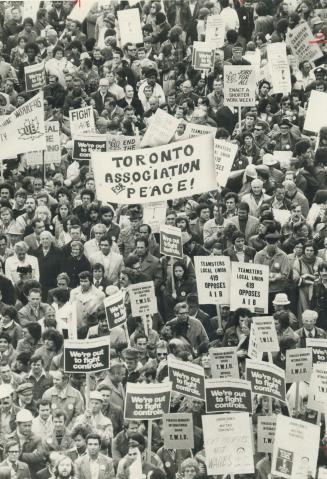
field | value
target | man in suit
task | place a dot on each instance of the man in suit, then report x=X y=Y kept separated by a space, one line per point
x=31 y=452
x=57 y=16
x=34 y=310
x=33 y=240
x=93 y=463
x=309 y=330
x=19 y=469
x=240 y=252
x=150 y=265
x=101 y=95
x=130 y=100
x=112 y=262
x=245 y=223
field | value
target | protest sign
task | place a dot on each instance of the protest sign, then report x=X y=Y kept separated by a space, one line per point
x=187 y=378
x=316 y=112
x=239 y=85
x=154 y=215
x=114 y=306
x=178 y=431
x=165 y=172
x=130 y=28
x=213 y=279
x=203 y=56
x=81 y=121
x=215 y=31
x=319 y=349
x=301 y=41
x=171 y=241
x=30 y=9
x=250 y=287
x=84 y=145
x=266 y=433
x=121 y=142
x=224 y=363
x=193 y=129
x=52 y=154
x=282 y=216
x=298 y=364
x=279 y=68
x=228 y=395
x=228 y=443
x=24 y=129
x=224 y=156
x=161 y=129
x=266 y=379
x=319 y=382
x=143 y=298
x=253 y=349
x=266 y=334
x=296 y=448
x=80 y=10
x=34 y=76
x=146 y=401
x=87 y=355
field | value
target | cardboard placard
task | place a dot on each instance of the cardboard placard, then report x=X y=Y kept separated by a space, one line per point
x=298 y=364
x=186 y=378
x=316 y=111
x=161 y=129
x=296 y=447
x=319 y=349
x=84 y=145
x=193 y=130
x=154 y=215
x=143 y=298
x=122 y=142
x=266 y=433
x=224 y=156
x=146 y=401
x=213 y=279
x=34 y=76
x=215 y=31
x=266 y=379
x=115 y=310
x=279 y=68
x=250 y=287
x=81 y=121
x=253 y=349
x=178 y=431
x=228 y=443
x=86 y=355
x=266 y=334
x=172 y=171
x=52 y=154
x=301 y=41
x=319 y=382
x=203 y=56
x=239 y=85
x=130 y=28
x=224 y=363
x=228 y=395
x=171 y=241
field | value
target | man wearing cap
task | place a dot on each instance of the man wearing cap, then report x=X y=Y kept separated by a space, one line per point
x=132 y=364
x=271 y=161
x=309 y=328
x=93 y=464
x=282 y=303
x=99 y=423
x=111 y=410
x=278 y=262
x=25 y=398
x=32 y=451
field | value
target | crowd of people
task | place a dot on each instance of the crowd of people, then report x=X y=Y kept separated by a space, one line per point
x=60 y=246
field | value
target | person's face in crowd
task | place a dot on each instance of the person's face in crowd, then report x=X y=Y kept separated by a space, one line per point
x=105 y=247
x=34 y=298
x=242 y=214
x=9 y=86
x=13 y=453
x=80 y=441
x=181 y=223
x=44 y=411
x=21 y=253
x=264 y=90
x=28 y=27
x=62 y=283
x=309 y=252
x=230 y=205
x=42 y=215
x=36 y=368
x=25 y=428
x=93 y=446
x=244 y=323
x=248 y=141
x=124 y=281
x=6 y=403
x=97 y=274
x=31 y=54
x=106 y=218
x=141 y=249
x=171 y=100
x=75 y=249
x=85 y=284
x=20 y=201
x=116 y=59
x=205 y=360
x=26 y=397
x=94 y=215
x=5 y=374
x=132 y=428
x=205 y=214
x=239 y=244
x=323 y=274
x=132 y=52
x=141 y=344
x=218 y=87
x=59 y=423
x=298 y=250
x=106 y=394
x=95 y=406
x=45 y=241
x=162 y=353
x=257 y=190
x=86 y=200
x=284 y=130
x=179 y=272
x=144 y=231
x=3 y=345
x=75 y=233
x=249 y=122
x=308 y=323
x=183 y=314
x=154 y=104
x=131 y=364
x=103 y=324
x=133 y=453
x=4 y=194
x=3 y=246
x=141 y=54
x=65 y=468
x=97 y=54
x=152 y=80
x=271 y=246
x=296 y=213
x=116 y=374
x=98 y=232
x=30 y=205
x=64 y=211
x=5 y=217
x=15 y=15
x=280 y=193
x=197 y=405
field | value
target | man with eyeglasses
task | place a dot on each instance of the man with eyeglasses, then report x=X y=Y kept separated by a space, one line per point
x=18 y=469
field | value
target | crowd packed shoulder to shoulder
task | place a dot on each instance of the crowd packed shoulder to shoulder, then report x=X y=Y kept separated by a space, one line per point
x=61 y=249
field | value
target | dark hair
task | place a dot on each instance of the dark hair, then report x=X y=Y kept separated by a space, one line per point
x=10 y=311
x=144 y=240
x=55 y=336
x=59 y=413
x=43 y=402
x=85 y=275
x=310 y=244
x=241 y=312
x=5 y=336
x=34 y=330
x=244 y=206
x=94 y=436
x=37 y=357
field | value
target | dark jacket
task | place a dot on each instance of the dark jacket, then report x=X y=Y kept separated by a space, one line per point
x=73 y=266
x=32 y=453
x=99 y=103
x=50 y=267
x=135 y=103
x=249 y=254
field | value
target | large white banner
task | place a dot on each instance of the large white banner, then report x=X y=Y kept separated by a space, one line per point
x=154 y=174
